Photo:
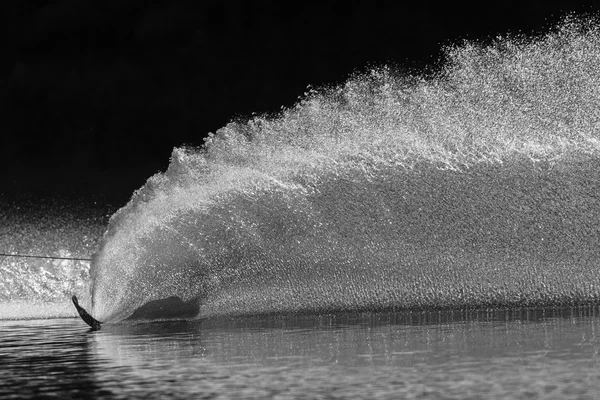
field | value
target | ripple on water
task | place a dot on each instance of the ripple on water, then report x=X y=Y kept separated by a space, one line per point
x=537 y=354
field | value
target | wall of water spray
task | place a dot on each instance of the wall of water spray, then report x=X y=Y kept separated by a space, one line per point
x=39 y=287
x=474 y=186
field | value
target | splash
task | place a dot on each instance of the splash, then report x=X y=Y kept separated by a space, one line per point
x=475 y=187
x=33 y=289
x=41 y=288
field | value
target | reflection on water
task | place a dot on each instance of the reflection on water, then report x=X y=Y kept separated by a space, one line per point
x=524 y=353
x=44 y=357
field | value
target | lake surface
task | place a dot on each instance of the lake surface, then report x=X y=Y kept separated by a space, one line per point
x=437 y=355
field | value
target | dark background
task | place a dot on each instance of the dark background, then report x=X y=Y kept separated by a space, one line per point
x=95 y=94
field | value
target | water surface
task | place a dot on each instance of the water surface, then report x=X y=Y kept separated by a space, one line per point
x=501 y=354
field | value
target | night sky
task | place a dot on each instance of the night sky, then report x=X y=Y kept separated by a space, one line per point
x=95 y=94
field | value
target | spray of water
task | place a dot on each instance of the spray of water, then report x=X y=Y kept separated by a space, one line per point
x=475 y=187
x=45 y=256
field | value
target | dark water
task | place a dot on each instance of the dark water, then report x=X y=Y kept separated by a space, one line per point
x=450 y=355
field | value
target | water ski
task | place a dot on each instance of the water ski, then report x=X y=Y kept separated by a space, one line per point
x=87 y=318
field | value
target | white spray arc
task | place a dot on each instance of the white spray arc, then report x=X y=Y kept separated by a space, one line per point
x=476 y=187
